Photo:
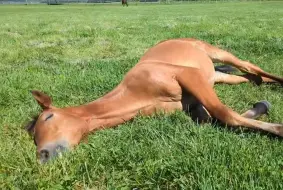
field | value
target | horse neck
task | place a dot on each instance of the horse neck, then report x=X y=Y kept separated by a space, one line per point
x=112 y=109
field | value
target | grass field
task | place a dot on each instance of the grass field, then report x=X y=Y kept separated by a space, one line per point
x=77 y=53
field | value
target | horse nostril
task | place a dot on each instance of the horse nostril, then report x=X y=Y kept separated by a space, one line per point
x=44 y=154
x=59 y=147
x=51 y=150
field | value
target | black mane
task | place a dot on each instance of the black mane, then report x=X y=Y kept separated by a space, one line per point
x=29 y=127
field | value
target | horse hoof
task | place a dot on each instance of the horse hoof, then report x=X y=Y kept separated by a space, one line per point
x=262 y=107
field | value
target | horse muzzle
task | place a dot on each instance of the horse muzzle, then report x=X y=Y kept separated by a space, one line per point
x=52 y=150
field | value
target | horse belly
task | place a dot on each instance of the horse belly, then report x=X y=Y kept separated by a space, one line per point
x=162 y=107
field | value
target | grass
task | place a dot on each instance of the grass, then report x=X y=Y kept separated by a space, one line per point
x=77 y=53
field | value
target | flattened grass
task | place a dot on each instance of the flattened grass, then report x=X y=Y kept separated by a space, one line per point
x=77 y=53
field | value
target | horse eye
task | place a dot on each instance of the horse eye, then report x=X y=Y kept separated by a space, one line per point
x=48 y=117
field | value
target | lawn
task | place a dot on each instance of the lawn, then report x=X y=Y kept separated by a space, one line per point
x=77 y=53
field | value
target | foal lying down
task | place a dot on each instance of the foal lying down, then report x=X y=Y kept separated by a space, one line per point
x=175 y=74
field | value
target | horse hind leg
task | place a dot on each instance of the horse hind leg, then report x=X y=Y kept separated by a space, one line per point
x=225 y=78
x=199 y=87
x=219 y=55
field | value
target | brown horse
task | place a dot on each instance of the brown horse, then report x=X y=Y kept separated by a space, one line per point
x=125 y=2
x=176 y=74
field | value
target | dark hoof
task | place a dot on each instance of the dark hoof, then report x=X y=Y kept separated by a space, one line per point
x=262 y=107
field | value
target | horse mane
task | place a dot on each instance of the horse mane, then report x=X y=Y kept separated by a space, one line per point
x=29 y=126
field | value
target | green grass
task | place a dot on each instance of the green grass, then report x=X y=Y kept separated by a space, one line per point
x=77 y=53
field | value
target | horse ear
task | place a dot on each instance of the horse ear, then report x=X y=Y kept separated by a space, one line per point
x=42 y=99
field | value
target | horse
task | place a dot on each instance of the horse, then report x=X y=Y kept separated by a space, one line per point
x=125 y=2
x=174 y=74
